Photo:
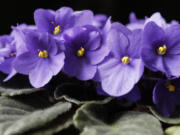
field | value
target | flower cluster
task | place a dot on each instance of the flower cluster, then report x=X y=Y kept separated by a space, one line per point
x=92 y=47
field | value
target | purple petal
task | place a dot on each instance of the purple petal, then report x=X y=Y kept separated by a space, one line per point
x=64 y=17
x=6 y=65
x=133 y=95
x=120 y=27
x=41 y=74
x=97 y=77
x=152 y=33
x=10 y=75
x=39 y=41
x=56 y=63
x=19 y=37
x=99 y=20
x=134 y=26
x=135 y=44
x=107 y=26
x=158 y=19
x=84 y=17
x=173 y=39
x=133 y=18
x=94 y=41
x=25 y=62
x=153 y=61
x=172 y=65
x=4 y=52
x=165 y=105
x=151 y=36
x=79 y=68
x=119 y=79
x=97 y=56
x=44 y=20
x=117 y=42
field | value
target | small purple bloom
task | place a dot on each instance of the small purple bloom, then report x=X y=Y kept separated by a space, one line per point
x=41 y=61
x=133 y=96
x=56 y=22
x=160 y=51
x=166 y=96
x=84 y=51
x=11 y=46
x=123 y=68
x=7 y=55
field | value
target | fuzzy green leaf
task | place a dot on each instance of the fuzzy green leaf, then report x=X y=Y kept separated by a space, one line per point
x=32 y=115
x=14 y=92
x=174 y=130
x=98 y=119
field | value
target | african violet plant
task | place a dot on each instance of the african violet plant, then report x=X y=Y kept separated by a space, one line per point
x=90 y=75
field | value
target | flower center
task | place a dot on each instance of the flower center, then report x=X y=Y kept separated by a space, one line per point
x=171 y=88
x=81 y=52
x=162 y=50
x=57 y=30
x=125 y=60
x=43 y=54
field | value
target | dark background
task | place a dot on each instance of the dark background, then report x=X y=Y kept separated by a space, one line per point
x=16 y=11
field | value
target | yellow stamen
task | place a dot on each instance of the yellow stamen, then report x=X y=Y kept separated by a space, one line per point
x=81 y=52
x=57 y=30
x=162 y=50
x=125 y=60
x=43 y=54
x=171 y=88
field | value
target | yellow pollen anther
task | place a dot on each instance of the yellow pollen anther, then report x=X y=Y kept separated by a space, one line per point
x=43 y=54
x=81 y=52
x=171 y=88
x=57 y=30
x=125 y=60
x=162 y=50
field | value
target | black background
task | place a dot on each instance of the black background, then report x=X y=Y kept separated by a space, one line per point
x=14 y=12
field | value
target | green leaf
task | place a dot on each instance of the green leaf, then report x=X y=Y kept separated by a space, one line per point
x=174 y=119
x=99 y=119
x=174 y=130
x=32 y=115
x=14 y=92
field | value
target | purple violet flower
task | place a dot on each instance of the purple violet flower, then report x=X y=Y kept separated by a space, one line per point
x=7 y=55
x=123 y=68
x=41 y=61
x=56 y=22
x=11 y=46
x=160 y=51
x=84 y=51
x=166 y=96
